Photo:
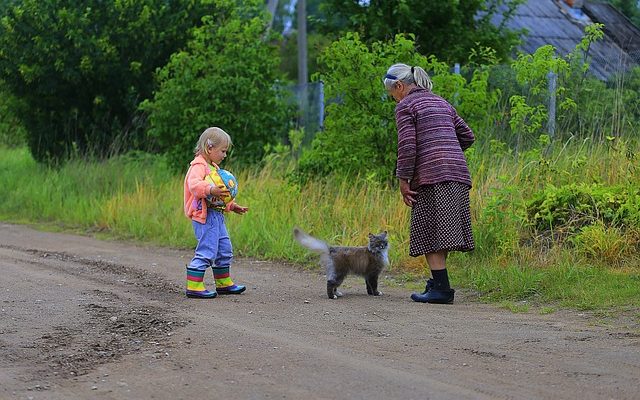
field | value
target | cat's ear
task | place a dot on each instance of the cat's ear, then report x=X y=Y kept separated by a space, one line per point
x=384 y=234
x=371 y=235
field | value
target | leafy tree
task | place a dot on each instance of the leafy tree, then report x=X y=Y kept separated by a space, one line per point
x=444 y=28
x=80 y=68
x=12 y=133
x=227 y=77
x=316 y=43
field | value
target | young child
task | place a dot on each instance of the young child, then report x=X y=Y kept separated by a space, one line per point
x=214 y=246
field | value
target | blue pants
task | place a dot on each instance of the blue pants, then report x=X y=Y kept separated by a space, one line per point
x=214 y=246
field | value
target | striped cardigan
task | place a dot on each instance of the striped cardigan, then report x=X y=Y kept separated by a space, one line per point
x=431 y=138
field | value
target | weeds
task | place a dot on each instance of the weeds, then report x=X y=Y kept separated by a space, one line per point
x=519 y=257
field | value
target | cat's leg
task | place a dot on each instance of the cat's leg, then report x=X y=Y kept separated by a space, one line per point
x=372 y=285
x=369 y=287
x=331 y=289
x=337 y=283
x=332 y=282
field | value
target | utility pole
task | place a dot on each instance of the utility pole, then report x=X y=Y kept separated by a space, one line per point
x=272 y=6
x=302 y=42
x=302 y=59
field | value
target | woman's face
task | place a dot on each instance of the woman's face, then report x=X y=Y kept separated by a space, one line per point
x=397 y=91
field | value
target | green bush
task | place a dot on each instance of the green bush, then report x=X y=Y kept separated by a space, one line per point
x=572 y=207
x=227 y=77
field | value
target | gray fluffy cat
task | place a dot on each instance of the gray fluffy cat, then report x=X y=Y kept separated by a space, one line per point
x=367 y=261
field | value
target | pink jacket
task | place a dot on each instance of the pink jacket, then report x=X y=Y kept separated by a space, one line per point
x=196 y=189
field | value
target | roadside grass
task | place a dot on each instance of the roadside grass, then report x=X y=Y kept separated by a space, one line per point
x=136 y=197
x=570 y=284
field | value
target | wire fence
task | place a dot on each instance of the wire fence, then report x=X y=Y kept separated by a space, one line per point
x=309 y=100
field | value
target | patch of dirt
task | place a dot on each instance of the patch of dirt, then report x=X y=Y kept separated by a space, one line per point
x=83 y=318
x=109 y=332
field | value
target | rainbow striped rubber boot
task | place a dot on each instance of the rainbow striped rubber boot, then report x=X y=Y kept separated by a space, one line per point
x=224 y=284
x=195 y=285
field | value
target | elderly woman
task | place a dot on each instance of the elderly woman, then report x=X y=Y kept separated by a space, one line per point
x=433 y=174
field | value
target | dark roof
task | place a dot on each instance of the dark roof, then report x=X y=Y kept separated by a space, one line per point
x=553 y=22
x=617 y=26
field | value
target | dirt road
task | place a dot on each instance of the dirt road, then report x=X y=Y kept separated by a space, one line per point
x=89 y=319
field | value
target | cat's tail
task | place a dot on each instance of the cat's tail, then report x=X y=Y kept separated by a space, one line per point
x=310 y=242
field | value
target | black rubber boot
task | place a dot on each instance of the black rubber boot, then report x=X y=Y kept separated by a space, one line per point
x=435 y=296
x=429 y=285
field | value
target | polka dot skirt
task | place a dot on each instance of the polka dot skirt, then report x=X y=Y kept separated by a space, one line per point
x=441 y=219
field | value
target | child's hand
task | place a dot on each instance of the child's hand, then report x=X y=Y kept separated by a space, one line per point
x=218 y=191
x=238 y=209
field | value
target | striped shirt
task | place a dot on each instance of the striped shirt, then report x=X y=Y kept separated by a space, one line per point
x=431 y=138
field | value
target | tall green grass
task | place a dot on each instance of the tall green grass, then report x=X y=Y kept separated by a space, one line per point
x=138 y=198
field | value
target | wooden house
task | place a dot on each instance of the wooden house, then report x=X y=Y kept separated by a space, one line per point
x=561 y=24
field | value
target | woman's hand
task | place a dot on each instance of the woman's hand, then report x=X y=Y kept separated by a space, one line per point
x=408 y=195
x=238 y=209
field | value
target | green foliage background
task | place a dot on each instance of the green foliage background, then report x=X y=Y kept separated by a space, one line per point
x=227 y=77
x=80 y=69
x=446 y=29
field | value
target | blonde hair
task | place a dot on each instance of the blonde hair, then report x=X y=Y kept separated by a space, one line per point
x=408 y=75
x=212 y=137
